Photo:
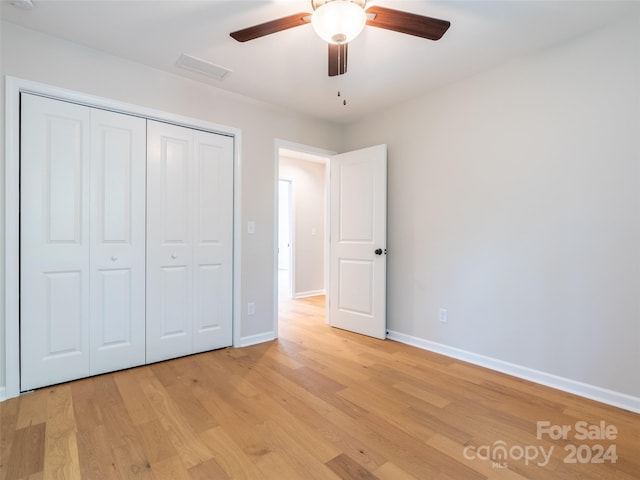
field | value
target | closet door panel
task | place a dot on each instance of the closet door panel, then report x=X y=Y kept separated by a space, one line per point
x=213 y=245
x=169 y=241
x=175 y=302
x=54 y=241
x=117 y=241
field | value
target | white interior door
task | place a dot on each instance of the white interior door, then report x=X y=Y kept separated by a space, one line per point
x=54 y=241
x=169 y=241
x=358 y=209
x=82 y=241
x=189 y=241
x=213 y=241
x=118 y=159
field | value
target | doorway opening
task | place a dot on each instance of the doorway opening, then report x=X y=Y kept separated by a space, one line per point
x=302 y=225
x=355 y=199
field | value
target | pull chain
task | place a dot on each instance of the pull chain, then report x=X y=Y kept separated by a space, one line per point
x=342 y=67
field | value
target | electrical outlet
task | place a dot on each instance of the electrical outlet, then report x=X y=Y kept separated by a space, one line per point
x=442 y=315
x=251 y=308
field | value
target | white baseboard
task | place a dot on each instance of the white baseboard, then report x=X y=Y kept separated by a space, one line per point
x=599 y=394
x=311 y=293
x=255 y=339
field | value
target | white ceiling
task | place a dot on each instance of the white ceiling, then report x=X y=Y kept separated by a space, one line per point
x=289 y=68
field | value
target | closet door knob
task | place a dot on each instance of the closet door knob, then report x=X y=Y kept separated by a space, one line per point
x=174 y=256
x=114 y=258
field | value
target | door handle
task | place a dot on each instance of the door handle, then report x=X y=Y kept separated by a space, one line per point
x=114 y=258
x=378 y=251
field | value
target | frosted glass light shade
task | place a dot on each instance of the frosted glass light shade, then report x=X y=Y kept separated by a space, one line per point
x=338 y=21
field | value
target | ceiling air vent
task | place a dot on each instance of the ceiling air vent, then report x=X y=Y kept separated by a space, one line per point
x=202 y=66
x=22 y=4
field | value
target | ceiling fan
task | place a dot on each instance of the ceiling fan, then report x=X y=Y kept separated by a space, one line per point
x=340 y=21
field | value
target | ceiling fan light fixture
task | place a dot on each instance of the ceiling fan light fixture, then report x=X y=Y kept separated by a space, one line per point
x=338 y=21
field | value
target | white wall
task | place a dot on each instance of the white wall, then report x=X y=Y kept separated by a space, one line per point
x=309 y=199
x=33 y=56
x=514 y=202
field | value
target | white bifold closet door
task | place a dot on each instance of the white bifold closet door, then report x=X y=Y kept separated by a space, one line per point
x=189 y=241
x=82 y=241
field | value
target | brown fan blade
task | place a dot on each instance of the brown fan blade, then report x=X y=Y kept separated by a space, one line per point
x=273 y=26
x=337 y=59
x=409 y=23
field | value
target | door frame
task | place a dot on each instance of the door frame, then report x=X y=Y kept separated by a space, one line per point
x=13 y=87
x=281 y=144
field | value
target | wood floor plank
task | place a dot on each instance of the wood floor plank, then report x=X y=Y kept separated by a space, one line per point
x=326 y=420
x=177 y=429
x=155 y=441
x=390 y=471
x=29 y=459
x=9 y=445
x=87 y=414
x=137 y=405
x=300 y=432
x=60 y=447
x=209 y=470
x=422 y=394
x=32 y=410
x=170 y=468
x=318 y=403
x=198 y=418
x=298 y=455
x=226 y=453
x=83 y=389
x=95 y=455
x=274 y=467
x=348 y=469
x=119 y=429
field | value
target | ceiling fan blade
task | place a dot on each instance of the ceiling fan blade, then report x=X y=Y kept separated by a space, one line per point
x=273 y=26
x=337 y=59
x=409 y=23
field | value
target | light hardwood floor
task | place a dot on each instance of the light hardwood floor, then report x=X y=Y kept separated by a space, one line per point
x=318 y=403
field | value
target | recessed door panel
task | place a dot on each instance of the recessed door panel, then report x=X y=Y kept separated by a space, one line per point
x=63 y=310
x=357 y=197
x=175 y=302
x=359 y=300
x=64 y=164
x=175 y=190
x=210 y=192
x=114 y=315
x=115 y=163
x=208 y=313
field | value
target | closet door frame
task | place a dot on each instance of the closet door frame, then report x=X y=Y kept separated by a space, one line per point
x=13 y=88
